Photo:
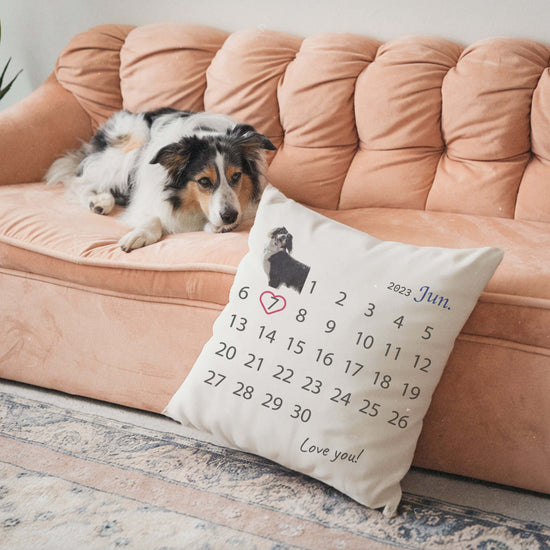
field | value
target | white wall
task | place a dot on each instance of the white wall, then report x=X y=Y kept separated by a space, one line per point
x=34 y=31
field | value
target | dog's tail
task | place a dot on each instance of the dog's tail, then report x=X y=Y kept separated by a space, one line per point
x=65 y=169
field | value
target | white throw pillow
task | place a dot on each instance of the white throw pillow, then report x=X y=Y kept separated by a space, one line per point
x=327 y=355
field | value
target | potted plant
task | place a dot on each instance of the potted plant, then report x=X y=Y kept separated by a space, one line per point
x=5 y=89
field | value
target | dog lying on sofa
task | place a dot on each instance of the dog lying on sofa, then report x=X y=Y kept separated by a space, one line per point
x=174 y=171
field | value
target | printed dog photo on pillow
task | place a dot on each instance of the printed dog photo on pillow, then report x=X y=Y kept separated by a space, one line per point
x=280 y=267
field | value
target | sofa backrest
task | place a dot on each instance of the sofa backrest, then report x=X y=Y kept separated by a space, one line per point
x=418 y=122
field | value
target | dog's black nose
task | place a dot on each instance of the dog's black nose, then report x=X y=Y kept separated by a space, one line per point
x=229 y=215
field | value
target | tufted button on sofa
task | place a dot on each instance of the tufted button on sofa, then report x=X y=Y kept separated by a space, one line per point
x=416 y=140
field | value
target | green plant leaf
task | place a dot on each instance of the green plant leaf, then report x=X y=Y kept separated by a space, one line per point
x=5 y=90
x=4 y=72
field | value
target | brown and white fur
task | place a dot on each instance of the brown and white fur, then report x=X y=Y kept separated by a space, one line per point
x=174 y=171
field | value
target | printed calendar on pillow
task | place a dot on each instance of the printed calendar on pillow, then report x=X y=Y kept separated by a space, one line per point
x=327 y=355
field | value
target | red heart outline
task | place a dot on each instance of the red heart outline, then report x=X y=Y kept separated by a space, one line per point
x=274 y=296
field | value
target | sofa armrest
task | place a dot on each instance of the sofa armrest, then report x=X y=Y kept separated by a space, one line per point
x=36 y=130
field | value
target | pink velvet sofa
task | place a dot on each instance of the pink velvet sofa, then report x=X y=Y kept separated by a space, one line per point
x=417 y=140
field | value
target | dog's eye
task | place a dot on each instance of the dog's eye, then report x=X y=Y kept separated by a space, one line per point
x=235 y=178
x=206 y=183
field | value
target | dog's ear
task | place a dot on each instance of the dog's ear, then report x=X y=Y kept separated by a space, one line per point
x=176 y=155
x=246 y=136
x=169 y=155
x=288 y=244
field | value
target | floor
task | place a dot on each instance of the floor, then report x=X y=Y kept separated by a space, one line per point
x=489 y=497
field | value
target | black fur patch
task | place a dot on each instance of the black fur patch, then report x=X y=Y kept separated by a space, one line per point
x=99 y=141
x=122 y=198
x=284 y=269
x=150 y=116
x=175 y=201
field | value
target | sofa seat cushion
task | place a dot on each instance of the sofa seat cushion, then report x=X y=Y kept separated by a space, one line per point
x=41 y=232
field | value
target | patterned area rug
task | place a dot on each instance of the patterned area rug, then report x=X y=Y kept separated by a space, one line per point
x=75 y=480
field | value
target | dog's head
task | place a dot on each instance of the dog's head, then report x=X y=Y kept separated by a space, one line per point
x=220 y=174
x=281 y=239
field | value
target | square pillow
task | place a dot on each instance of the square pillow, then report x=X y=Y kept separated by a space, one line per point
x=327 y=355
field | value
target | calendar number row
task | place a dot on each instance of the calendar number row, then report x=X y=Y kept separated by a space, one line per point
x=297 y=411
x=424 y=294
x=323 y=357
x=240 y=324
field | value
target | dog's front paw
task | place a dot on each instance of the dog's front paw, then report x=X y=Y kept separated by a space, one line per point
x=131 y=241
x=228 y=228
x=137 y=238
x=148 y=233
x=102 y=203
